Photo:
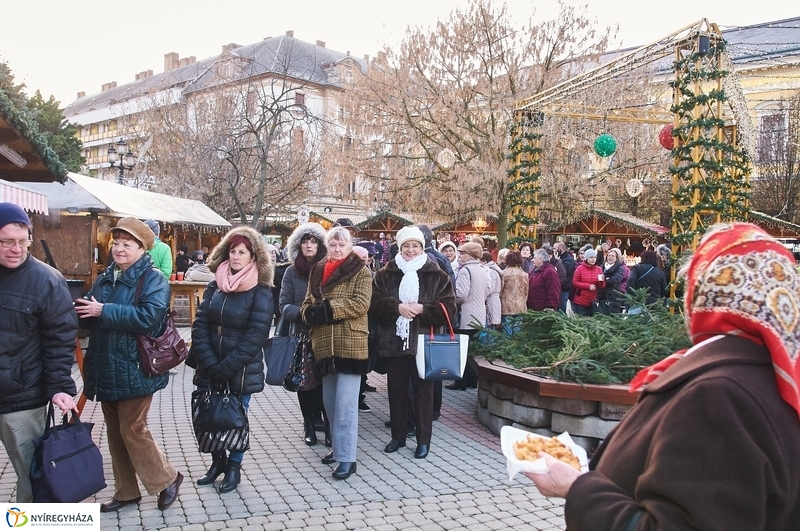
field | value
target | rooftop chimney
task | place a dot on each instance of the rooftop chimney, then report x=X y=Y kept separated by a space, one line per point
x=230 y=46
x=321 y=44
x=366 y=57
x=186 y=61
x=108 y=86
x=171 y=61
x=81 y=94
x=290 y=33
x=144 y=74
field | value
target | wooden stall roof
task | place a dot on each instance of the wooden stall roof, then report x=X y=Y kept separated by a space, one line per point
x=777 y=228
x=467 y=226
x=385 y=222
x=87 y=194
x=20 y=133
x=608 y=223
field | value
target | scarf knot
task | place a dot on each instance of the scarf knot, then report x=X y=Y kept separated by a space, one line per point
x=243 y=280
x=409 y=291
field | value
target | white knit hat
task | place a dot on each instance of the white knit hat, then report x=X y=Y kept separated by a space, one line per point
x=410 y=233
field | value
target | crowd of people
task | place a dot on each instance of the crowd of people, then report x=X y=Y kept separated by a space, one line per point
x=703 y=448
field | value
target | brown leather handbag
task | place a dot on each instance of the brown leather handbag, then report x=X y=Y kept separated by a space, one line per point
x=158 y=355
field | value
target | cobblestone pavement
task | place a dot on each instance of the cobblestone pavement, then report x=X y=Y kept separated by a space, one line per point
x=462 y=484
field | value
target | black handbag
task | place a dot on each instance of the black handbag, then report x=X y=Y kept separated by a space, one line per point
x=67 y=466
x=158 y=355
x=219 y=411
x=210 y=436
x=278 y=355
x=302 y=375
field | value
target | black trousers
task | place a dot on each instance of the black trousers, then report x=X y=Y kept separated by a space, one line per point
x=311 y=401
x=401 y=370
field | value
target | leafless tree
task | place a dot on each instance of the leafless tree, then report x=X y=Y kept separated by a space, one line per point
x=776 y=189
x=427 y=127
x=240 y=138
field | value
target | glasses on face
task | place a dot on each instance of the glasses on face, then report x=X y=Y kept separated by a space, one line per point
x=124 y=245
x=8 y=244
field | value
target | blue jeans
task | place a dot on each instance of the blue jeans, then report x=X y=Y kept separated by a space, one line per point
x=564 y=298
x=510 y=324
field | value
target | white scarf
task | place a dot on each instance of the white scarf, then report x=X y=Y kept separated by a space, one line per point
x=409 y=290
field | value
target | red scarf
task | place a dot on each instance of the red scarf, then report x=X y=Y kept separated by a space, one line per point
x=330 y=267
x=743 y=282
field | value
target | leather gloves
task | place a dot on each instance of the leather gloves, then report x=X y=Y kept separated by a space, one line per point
x=318 y=314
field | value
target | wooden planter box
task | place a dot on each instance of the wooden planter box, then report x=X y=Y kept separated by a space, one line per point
x=510 y=397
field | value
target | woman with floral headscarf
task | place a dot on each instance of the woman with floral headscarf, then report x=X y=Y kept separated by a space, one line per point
x=713 y=441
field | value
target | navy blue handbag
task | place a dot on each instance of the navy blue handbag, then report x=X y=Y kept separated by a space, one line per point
x=67 y=466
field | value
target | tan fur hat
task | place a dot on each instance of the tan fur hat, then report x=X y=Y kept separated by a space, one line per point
x=472 y=249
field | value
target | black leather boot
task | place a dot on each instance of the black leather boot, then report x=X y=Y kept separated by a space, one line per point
x=328 y=441
x=310 y=436
x=233 y=476
x=217 y=468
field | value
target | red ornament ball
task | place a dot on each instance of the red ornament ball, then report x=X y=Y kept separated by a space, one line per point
x=665 y=137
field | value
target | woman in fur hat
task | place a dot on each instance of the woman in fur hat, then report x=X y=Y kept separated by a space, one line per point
x=231 y=330
x=306 y=247
x=335 y=307
x=407 y=299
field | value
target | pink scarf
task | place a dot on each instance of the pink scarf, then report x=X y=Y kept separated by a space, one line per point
x=245 y=280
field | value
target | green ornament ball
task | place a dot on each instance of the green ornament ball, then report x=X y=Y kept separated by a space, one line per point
x=605 y=145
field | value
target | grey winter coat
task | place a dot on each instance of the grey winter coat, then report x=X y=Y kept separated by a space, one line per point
x=472 y=290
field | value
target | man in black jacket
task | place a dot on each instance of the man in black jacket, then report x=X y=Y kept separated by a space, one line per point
x=563 y=253
x=37 y=337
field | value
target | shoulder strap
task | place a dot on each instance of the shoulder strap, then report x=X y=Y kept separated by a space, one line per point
x=138 y=294
x=648 y=272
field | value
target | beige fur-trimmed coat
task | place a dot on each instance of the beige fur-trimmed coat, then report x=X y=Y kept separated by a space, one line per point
x=514 y=292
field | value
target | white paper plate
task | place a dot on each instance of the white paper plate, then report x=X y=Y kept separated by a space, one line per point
x=509 y=435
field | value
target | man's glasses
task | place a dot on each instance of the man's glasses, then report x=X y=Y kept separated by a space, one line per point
x=8 y=244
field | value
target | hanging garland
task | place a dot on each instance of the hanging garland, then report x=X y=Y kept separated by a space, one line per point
x=523 y=176
x=722 y=188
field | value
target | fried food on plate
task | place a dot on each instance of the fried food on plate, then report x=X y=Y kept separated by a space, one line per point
x=528 y=450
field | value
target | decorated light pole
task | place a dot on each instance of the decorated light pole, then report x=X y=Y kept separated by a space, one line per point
x=123 y=158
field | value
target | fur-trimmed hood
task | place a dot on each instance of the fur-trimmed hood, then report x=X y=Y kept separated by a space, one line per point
x=293 y=243
x=266 y=267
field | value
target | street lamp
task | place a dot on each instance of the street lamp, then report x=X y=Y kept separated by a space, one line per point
x=119 y=158
x=480 y=224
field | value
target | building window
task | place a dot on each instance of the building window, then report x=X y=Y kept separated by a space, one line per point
x=95 y=129
x=772 y=137
x=299 y=99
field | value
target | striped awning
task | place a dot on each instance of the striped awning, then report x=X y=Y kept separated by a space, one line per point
x=24 y=197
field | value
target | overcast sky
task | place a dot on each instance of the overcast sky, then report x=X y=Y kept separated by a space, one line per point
x=63 y=47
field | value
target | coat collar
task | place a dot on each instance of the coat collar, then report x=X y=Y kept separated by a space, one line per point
x=349 y=268
x=728 y=350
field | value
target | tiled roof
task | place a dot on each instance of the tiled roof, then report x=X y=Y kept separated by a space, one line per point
x=305 y=61
x=282 y=55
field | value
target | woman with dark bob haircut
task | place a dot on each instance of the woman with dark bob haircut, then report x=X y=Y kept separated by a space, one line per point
x=712 y=442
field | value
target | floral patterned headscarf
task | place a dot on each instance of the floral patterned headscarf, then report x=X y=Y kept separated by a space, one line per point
x=743 y=282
